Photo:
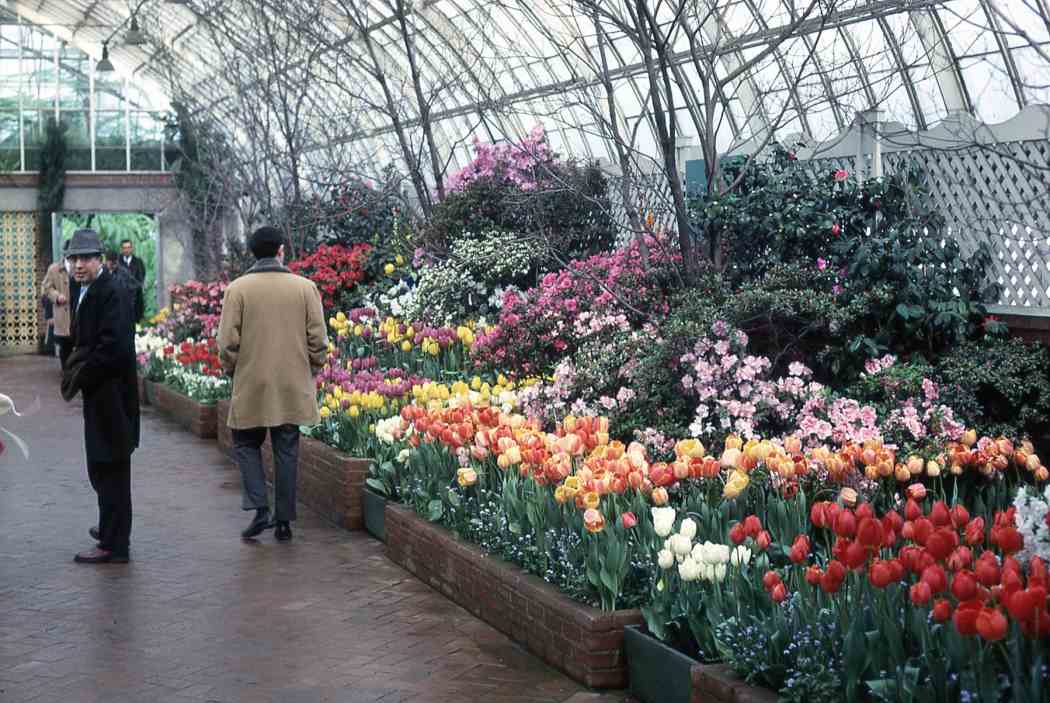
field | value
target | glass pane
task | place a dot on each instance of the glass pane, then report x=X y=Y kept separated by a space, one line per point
x=9 y=156
x=33 y=123
x=74 y=83
x=78 y=154
x=145 y=142
x=110 y=150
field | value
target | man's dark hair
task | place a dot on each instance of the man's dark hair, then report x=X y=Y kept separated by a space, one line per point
x=126 y=241
x=112 y=255
x=265 y=242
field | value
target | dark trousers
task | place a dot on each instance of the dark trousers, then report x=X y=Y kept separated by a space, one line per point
x=65 y=347
x=247 y=451
x=112 y=482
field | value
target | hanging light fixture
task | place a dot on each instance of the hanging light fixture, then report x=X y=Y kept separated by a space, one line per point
x=134 y=36
x=105 y=65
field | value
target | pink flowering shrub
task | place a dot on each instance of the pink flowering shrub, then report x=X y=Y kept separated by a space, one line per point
x=518 y=164
x=547 y=323
x=194 y=310
x=736 y=392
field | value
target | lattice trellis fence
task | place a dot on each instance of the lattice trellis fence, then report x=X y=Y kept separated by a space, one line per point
x=18 y=284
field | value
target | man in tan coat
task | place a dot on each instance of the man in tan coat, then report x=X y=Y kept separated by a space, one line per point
x=272 y=340
x=56 y=289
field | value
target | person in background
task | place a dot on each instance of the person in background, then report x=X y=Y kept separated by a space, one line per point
x=130 y=284
x=272 y=340
x=56 y=289
x=132 y=263
x=102 y=367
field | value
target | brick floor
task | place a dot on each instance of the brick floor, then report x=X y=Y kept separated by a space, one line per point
x=199 y=615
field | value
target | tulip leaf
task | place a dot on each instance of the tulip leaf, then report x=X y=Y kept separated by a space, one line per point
x=453 y=498
x=435 y=510
x=376 y=485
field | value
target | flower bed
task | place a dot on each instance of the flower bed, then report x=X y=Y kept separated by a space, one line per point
x=198 y=418
x=584 y=642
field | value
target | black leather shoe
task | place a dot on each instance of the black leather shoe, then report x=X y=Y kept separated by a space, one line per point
x=100 y=556
x=95 y=534
x=283 y=532
x=260 y=523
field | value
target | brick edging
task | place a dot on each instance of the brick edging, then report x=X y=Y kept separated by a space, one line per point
x=195 y=417
x=584 y=642
x=716 y=683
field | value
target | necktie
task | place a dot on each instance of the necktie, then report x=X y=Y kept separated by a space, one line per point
x=83 y=292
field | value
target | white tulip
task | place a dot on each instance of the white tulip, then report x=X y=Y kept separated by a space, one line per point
x=688 y=528
x=718 y=572
x=740 y=556
x=663 y=520
x=680 y=544
x=689 y=570
x=665 y=559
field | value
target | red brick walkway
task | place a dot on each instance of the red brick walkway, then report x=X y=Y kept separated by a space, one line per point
x=201 y=616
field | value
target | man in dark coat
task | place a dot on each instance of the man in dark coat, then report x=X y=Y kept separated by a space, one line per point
x=129 y=283
x=133 y=265
x=104 y=371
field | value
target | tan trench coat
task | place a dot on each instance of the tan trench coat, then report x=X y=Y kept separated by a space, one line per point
x=272 y=339
x=56 y=283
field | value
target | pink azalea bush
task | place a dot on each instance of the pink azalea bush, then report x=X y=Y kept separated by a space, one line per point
x=546 y=324
x=516 y=163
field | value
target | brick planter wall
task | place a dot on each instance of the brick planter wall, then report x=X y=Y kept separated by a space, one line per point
x=583 y=642
x=329 y=481
x=143 y=395
x=198 y=419
x=716 y=683
x=222 y=431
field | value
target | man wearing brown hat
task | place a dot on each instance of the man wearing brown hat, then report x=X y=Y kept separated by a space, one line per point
x=102 y=367
x=272 y=339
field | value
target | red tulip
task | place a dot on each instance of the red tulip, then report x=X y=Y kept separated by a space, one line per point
x=770 y=579
x=923 y=529
x=964 y=586
x=856 y=555
x=836 y=571
x=965 y=617
x=975 y=531
x=939 y=514
x=892 y=521
x=942 y=610
x=864 y=510
x=920 y=593
x=779 y=593
x=763 y=541
x=818 y=514
x=880 y=574
x=960 y=516
x=908 y=530
x=829 y=584
x=987 y=569
x=941 y=543
x=1022 y=604
x=737 y=534
x=838 y=550
x=845 y=524
x=909 y=557
x=1038 y=574
x=961 y=558
x=991 y=624
x=628 y=520
x=935 y=576
x=912 y=511
x=869 y=533
x=752 y=526
x=813 y=575
x=916 y=491
x=1009 y=540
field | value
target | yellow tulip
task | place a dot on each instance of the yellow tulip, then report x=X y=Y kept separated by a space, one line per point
x=389 y=269
x=354 y=411
x=406 y=346
x=738 y=481
x=325 y=412
x=399 y=260
x=475 y=383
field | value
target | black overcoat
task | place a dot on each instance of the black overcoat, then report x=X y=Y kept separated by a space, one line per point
x=102 y=324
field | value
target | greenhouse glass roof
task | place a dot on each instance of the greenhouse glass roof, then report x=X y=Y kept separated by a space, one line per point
x=495 y=69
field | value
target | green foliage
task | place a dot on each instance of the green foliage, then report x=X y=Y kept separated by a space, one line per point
x=357 y=212
x=112 y=229
x=999 y=387
x=570 y=206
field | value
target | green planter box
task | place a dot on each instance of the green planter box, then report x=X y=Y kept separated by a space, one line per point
x=657 y=673
x=374 y=507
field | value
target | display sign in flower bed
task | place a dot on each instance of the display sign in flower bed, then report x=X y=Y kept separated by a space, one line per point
x=329 y=482
x=198 y=418
x=584 y=642
x=373 y=508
